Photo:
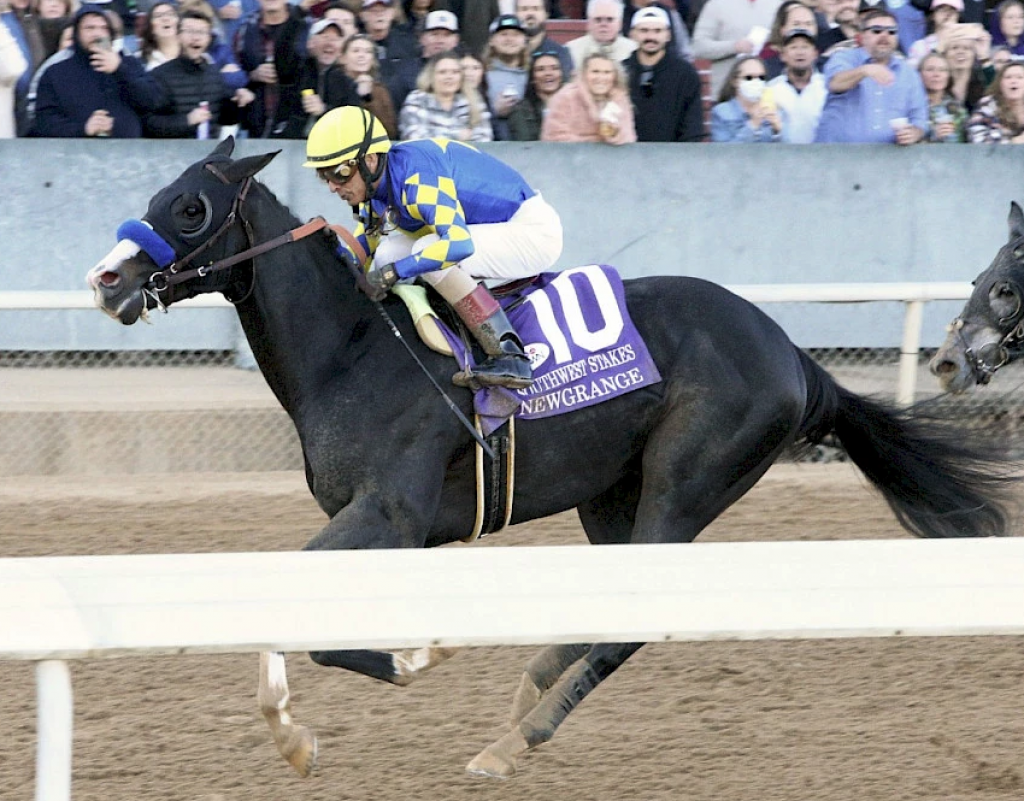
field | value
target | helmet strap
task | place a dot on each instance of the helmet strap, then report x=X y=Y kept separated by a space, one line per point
x=370 y=178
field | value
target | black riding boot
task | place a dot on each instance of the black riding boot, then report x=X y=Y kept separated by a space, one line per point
x=507 y=365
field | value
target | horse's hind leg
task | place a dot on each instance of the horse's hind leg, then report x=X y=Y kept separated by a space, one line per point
x=538 y=727
x=540 y=676
x=607 y=519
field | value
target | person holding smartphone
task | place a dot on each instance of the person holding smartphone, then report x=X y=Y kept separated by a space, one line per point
x=95 y=91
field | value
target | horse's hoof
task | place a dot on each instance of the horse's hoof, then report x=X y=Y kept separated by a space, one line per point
x=498 y=760
x=526 y=698
x=301 y=751
x=494 y=766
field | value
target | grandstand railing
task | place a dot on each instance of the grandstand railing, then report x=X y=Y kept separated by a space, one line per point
x=54 y=609
x=913 y=295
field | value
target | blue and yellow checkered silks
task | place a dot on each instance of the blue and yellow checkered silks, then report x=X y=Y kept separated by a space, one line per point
x=442 y=186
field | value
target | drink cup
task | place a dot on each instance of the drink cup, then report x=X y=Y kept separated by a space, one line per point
x=899 y=123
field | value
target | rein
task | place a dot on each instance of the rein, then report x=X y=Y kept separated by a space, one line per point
x=174 y=274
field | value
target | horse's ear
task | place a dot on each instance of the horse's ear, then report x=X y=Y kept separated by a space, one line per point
x=225 y=147
x=239 y=170
x=1016 y=221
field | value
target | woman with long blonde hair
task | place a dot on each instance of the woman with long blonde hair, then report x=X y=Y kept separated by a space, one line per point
x=439 y=106
x=594 y=107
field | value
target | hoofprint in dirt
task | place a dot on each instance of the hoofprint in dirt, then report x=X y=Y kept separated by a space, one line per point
x=924 y=719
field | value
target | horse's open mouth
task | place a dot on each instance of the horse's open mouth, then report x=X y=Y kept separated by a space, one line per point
x=107 y=279
x=125 y=309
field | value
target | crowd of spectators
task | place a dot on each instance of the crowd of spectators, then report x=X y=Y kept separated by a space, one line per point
x=792 y=71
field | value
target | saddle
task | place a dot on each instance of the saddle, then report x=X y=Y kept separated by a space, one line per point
x=428 y=310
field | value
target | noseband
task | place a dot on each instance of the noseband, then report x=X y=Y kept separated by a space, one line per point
x=985 y=362
x=174 y=273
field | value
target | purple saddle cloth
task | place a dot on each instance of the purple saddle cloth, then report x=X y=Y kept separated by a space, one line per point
x=582 y=344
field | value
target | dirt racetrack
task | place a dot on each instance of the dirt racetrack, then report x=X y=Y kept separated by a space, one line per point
x=935 y=719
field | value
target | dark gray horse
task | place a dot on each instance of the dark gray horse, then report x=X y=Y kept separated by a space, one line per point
x=393 y=468
x=989 y=333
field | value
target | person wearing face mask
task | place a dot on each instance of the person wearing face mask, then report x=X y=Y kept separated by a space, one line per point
x=742 y=115
x=874 y=94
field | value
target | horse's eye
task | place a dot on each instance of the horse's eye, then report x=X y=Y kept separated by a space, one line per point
x=1018 y=253
x=197 y=214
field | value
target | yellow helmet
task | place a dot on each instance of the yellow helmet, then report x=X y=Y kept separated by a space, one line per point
x=343 y=134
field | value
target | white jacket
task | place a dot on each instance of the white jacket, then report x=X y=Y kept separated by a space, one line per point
x=12 y=67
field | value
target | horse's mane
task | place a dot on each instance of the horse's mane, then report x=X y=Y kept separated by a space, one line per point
x=325 y=240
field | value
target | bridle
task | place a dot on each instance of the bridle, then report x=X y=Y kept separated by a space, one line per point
x=990 y=357
x=176 y=272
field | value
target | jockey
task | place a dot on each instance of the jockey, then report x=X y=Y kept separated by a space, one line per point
x=443 y=212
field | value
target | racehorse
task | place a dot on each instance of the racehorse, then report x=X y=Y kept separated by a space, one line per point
x=393 y=468
x=989 y=333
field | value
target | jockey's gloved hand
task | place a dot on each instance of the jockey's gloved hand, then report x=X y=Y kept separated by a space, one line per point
x=379 y=279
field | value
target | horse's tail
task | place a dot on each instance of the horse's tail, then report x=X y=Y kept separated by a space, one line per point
x=937 y=482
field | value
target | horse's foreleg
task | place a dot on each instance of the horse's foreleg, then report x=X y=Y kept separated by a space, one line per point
x=540 y=676
x=538 y=727
x=395 y=667
x=297 y=744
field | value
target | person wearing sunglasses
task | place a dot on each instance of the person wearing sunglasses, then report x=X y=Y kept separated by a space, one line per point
x=741 y=114
x=875 y=96
x=443 y=212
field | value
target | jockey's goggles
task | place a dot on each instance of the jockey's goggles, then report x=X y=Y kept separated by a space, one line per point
x=339 y=175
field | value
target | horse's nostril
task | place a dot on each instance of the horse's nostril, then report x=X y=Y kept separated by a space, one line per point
x=943 y=367
x=108 y=278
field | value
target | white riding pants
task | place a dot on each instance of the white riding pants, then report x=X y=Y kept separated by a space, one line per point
x=528 y=244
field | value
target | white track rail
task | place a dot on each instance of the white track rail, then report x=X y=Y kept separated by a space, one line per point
x=58 y=608
x=912 y=295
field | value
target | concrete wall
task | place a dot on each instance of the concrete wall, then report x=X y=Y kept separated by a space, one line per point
x=735 y=214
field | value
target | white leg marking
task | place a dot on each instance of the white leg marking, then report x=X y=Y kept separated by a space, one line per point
x=411 y=663
x=296 y=743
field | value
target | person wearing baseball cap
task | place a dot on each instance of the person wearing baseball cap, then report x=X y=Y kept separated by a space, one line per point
x=942 y=14
x=440 y=33
x=507 y=64
x=799 y=92
x=323 y=84
x=664 y=88
x=679 y=34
